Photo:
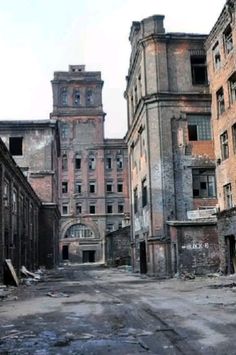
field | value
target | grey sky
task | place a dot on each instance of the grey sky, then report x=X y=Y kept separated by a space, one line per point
x=38 y=37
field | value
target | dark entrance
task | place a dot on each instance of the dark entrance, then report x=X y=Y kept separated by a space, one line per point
x=230 y=254
x=143 y=258
x=65 y=252
x=88 y=256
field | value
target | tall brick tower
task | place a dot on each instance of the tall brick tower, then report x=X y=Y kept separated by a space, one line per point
x=86 y=166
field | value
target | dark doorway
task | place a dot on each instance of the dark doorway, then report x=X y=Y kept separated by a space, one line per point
x=175 y=259
x=65 y=252
x=230 y=254
x=143 y=258
x=88 y=256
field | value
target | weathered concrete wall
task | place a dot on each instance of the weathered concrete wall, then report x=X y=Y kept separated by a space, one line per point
x=118 y=248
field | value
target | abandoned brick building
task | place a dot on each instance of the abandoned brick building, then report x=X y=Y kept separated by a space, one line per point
x=93 y=171
x=221 y=59
x=19 y=211
x=35 y=147
x=172 y=162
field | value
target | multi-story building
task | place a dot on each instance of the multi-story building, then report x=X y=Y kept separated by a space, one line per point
x=172 y=164
x=35 y=147
x=19 y=216
x=93 y=183
x=221 y=59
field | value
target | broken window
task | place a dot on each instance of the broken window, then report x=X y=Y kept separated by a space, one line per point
x=109 y=186
x=204 y=184
x=92 y=187
x=77 y=162
x=199 y=127
x=16 y=145
x=89 y=97
x=224 y=145
x=220 y=101
x=119 y=187
x=78 y=187
x=92 y=209
x=65 y=209
x=77 y=97
x=63 y=97
x=91 y=163
x=120 y=208
x=110 y=208
x=119 y=162
x=216 y=56
x=144 y=192
x=228 y=196
x=228 y=39
x=108 y=163
x=199 y=70
x=64 y=161
x=232 y=87
x=64 y=188
x=78 y=208
x=135 y=200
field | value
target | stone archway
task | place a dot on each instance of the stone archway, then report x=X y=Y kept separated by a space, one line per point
x=79 y=231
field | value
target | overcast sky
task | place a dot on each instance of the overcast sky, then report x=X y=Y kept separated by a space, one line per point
x=38 y=37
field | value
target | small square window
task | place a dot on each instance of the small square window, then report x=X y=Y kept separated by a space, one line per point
x=65 y=209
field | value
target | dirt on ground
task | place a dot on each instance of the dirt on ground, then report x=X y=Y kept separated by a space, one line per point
x=89 y=309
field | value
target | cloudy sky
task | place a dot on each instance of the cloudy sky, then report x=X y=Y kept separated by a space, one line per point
x=38 y=37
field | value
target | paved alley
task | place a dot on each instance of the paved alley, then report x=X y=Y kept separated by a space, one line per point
x=94 y=310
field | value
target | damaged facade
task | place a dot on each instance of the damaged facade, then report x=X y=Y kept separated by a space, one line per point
x=221 y=58
x=93 y=182
x=35 y=148
x=172 y=163
x=19 y=211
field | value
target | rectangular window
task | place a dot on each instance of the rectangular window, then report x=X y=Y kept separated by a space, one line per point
x=119 y=187
x=120 y=208
x=64 y=130
x=216 y=56
x=220 y=101
x=78 y=187
x=144 y=192
x=91 y=163
x=65 y=209
x=108 y=163
x=232 y=87
x=228 y=196
x=199 y=70
x=64 y=188
x=136 y=200
x=92 y=187
x=204 y=184
x=92 y=209
x=77 y=162
x=119 y=162
x=234 y=137
x=224 y=145
x=16 y=146
x=109 y=186
x=199 y=127
x=78 y=208
x=228 y=39
x=109 y=208
x=64 y=162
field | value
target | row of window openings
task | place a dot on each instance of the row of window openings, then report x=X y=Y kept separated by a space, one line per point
x=220 y=95
x=92 y=163
x=76 y=97
x=92 y=209
x=224 y=143
x=92 y=187
x=228 y=47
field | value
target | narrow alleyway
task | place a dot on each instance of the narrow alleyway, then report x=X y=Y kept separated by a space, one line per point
x=93 y=310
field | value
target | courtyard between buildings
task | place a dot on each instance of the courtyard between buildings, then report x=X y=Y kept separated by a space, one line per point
x=90 y=309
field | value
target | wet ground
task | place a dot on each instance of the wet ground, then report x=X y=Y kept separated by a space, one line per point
x=93 y=310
